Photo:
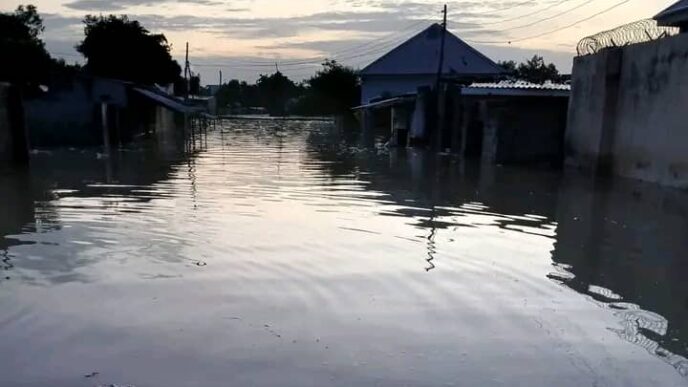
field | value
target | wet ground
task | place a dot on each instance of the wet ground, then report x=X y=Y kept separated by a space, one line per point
x=286 y=254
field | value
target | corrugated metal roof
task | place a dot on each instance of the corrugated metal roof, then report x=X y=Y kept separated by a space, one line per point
x=166 y=101
x=676 y=14
x=420 y=56
x=521 y=85
x=518 y=88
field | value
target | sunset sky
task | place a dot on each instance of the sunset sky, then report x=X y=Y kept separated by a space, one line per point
x=244 y=37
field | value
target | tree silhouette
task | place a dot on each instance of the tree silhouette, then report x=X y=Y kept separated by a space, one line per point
x=24 y=61
x=534 y=70
x=275 y=90
x=336 y=87
x=510 y=66
x=116 y=47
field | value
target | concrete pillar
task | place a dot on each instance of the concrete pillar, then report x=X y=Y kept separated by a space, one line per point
x=419 y=125
x=441 y=121
x=106 y=127
x=399 y=125
x=456 y=125
x=14 y=146
x=467 y=116
x=490 y=119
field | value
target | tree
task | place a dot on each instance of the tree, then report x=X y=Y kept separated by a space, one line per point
x=116 y=47
x=335 y=87
x=275 y=90
x=195 y=85
x=535 y=70
x=510 y=66
x=25 y=60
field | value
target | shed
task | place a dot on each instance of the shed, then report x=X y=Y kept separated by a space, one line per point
x=414 y=64
x=515 y=122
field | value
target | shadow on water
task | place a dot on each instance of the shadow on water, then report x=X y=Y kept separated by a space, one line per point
x=82 y=181
x=621 y=243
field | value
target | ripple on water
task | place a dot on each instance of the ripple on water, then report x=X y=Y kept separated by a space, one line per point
x=275 y=247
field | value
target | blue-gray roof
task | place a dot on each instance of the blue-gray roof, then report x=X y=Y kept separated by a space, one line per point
x=420 y=56
x=674 y=15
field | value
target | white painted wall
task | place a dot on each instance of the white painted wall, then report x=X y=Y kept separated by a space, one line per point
x=649 y=119
x=373 y=86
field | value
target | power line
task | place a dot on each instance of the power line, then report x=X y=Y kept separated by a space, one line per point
x=556 y=29
x=528 y=2
x=538 y=11
x=530 y=24
x=319 y=59
x=550 y=17
x=373 y=47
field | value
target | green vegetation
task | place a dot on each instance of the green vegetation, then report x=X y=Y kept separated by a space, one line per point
x=534 y=70
x=25 y=61
x=332 y=90
x=116 y=47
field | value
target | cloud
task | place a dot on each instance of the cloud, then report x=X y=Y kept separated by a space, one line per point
x=356 y=31
x=119 y=5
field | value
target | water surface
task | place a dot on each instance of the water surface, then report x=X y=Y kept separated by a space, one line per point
x=275 y=253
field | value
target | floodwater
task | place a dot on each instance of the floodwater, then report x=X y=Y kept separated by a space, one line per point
x=276 y=253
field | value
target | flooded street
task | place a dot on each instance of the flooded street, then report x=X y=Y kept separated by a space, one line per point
x=287 y=254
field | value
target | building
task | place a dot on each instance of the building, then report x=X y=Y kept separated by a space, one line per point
x=674 y=16
x=73 y=111
x=415 y=64
x=513 y=122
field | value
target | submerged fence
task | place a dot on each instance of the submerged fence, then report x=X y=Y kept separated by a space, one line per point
x=636 y=32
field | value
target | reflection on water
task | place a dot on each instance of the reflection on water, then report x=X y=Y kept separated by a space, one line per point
x=285 y=253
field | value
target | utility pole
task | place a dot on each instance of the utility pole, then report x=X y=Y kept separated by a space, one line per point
x=187 y=71
x=442 y=41
x=220 y=77
x=440 y=95
x=276 y=68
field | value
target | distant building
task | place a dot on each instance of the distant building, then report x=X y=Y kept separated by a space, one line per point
x=211 y=90
x=415 y=63
x=675 y=16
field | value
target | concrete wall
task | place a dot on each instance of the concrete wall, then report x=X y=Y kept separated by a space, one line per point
x=628 y=112
x=377 y=86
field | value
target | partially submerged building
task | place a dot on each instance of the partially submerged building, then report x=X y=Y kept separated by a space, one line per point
x=514 y=122
x=75 y=111
x=415 y=63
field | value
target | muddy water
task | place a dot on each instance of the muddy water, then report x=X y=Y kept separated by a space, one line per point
x=286 y=254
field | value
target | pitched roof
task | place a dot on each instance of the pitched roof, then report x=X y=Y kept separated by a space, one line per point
x=674 y=15
x=420 y=56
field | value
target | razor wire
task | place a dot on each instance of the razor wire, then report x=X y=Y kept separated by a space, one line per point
x=637 y=32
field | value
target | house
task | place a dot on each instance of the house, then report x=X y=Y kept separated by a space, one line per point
x=674 y=16
x=72 y=111
x=415 y=64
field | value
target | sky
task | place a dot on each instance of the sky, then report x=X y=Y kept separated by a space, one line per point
x=246 y=38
